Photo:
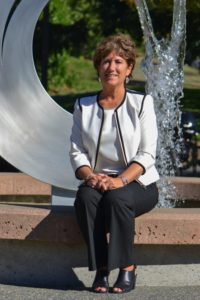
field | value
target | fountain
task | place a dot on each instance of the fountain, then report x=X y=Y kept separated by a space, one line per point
x=34 y=139
x=163 y=69
x=37 y=128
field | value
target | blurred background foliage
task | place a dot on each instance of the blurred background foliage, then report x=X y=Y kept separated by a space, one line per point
x=68 y=31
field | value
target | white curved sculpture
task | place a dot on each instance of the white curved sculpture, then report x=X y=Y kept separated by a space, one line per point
x=34 y=130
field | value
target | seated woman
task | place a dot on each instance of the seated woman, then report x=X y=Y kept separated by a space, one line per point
x=113 y=150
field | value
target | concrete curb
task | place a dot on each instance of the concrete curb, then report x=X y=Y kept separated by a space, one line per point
x=160 y=226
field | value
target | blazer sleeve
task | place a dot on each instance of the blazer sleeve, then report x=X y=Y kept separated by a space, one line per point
x=78 y=153
x=146 y=154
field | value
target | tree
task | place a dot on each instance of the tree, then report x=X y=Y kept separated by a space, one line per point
x=161 y=13
x=76 y=26
x=65 y=28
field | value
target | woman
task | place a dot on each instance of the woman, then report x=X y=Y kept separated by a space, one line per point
x=113 y=149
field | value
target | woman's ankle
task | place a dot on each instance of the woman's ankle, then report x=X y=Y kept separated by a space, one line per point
x=128 y=268
x=102 y=269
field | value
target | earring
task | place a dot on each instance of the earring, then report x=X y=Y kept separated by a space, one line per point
x=127 y=80
x=99 y=79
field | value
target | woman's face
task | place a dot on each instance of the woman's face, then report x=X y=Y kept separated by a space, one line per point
x=113 y=70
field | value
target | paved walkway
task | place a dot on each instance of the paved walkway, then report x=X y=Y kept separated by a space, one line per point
x=140 y=293
x=170 y=282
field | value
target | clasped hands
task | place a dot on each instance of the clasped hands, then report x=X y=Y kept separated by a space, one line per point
x=103 y=182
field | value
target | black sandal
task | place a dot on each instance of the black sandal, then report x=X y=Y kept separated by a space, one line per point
x=125 y=281
x=101 y=281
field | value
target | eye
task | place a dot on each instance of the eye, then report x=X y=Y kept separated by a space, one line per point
x=105 y=62
x=118 y=61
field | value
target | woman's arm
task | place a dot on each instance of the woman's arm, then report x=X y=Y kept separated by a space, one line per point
x=131 y=173
x=84 y=172
x=146 y=153
x=78 y=154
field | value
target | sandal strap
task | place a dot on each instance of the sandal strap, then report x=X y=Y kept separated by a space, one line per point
x=101 y=280
x=125 y=281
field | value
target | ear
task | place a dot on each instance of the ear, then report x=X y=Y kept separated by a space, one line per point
x=129 y=69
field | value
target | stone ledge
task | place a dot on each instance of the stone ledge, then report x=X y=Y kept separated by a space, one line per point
x=188 y=188
x=165 y=226
x=22 y=184
x=178 y=226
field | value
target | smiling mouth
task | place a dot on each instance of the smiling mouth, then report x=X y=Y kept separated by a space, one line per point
x=110 y=75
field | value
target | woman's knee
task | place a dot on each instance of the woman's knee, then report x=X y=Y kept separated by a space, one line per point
x=113 y=199
x=85 y=197
x=148 y=201
x=82 y=197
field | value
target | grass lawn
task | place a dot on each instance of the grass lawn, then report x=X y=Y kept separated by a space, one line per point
x=88 y=82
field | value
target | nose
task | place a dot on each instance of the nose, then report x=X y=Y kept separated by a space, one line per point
x=111 y=66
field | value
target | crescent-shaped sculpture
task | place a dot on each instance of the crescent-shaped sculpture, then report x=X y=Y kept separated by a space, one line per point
x=34 y=130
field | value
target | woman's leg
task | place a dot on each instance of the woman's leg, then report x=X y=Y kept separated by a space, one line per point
x=147 y=200
x=121 y=207
x=90 y=217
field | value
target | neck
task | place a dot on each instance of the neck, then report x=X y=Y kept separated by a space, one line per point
x=111 y=98
x=114 y=94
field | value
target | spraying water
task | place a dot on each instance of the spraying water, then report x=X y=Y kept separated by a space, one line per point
x=163 y=70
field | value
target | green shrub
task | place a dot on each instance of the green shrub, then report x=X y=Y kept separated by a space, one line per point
x=71 y=73
x=61 y=71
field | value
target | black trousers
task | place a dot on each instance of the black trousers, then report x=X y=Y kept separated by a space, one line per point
x=106 y=221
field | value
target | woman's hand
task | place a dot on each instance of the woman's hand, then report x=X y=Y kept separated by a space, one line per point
x=106 y=183
x=114 y=183
x=92 y=180
x=103 y=182
x=97 y=181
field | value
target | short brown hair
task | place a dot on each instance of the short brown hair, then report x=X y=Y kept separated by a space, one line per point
x=120 y=43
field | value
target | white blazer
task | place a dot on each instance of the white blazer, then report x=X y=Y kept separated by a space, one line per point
x=136 y=127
